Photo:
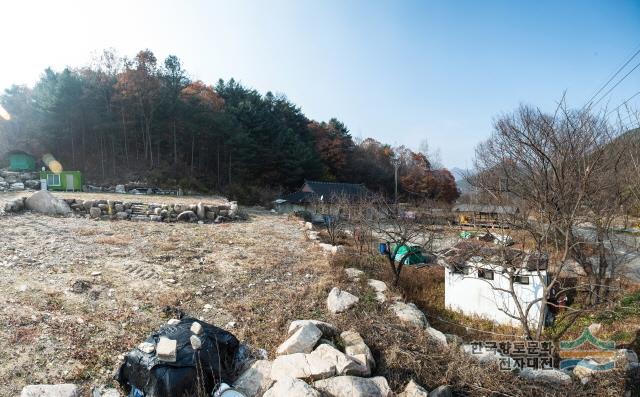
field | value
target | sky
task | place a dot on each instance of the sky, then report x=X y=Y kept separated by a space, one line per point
x=398 y=71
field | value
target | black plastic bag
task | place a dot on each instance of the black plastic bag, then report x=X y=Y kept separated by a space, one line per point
x=193 y=370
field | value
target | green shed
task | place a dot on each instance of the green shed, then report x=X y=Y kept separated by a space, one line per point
x=21 y=161
x=63 y=180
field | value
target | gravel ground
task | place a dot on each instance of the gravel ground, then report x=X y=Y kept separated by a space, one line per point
x=77 y=293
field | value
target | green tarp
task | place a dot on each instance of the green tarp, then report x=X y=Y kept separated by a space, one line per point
x=413 y=259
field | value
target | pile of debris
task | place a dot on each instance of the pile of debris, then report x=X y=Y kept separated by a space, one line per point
x=129 y=210
x=17 y=181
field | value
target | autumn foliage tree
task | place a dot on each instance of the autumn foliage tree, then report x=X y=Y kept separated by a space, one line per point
x=125 y=119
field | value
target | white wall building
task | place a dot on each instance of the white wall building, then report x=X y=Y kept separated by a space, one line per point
x=471 y=285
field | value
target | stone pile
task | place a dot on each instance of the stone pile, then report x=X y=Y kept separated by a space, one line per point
x=16 y=181
x=309 y=364
x=137 y=211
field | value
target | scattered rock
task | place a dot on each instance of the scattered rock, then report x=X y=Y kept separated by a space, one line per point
x=584 y=369
x=43 y=202
x=255 y=380
x=327 y=329
x=166 y=350
x=353 y=273
x=344 y=365
x=187 y=216
x=355 y=348
x=414 y=390
x=441 y=391
x=302 y=366
x=120 y=189
x=196 y=328
x=291 y=387
x=437 y=335
x=147 y=347
x=63 y=390
x=409 y=313
x=377 y=285
x=339 y=301
x=104 y=392
x=196 y=343
x=353 y=386
x=308 y=225
x=546 y=375
x=173 y=321
x=121 y=215
x=95 y=212
x=302 y=340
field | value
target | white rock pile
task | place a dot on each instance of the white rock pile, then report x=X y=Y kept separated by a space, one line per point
x=308 y=364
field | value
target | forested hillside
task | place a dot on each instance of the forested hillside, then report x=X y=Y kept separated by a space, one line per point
x=121 y=119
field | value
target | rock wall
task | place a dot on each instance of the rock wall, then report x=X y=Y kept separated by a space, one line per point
x=137 y=211
x=15 y=181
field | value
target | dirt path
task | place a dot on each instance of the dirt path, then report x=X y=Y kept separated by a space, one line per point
x=76 y=293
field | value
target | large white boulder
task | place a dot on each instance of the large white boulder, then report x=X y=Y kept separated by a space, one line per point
x=343 y=364
x=353 y=386
x=353 y=273
x=292 y=387
x=436 y=335
x=414 y=390
x=339 y=301
x=302 y=366
x=355 y=348
x=328 y=330
x=409 y=313
x=303 y=340
x=42 y=201
x=377 y=285
x=62 y=390
x=255 y=380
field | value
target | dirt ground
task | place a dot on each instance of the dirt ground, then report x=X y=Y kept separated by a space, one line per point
x=76 y=293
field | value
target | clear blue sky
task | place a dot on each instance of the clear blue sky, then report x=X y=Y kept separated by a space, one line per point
x=397 y=71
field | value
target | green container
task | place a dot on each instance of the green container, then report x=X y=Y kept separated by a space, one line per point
x=413 y=259
x=63 y=180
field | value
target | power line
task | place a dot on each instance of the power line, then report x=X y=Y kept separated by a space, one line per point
x=612 y=77
x=618 y=83
x=624 y=103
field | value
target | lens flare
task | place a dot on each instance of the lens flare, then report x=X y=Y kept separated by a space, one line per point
x=51 y=162
x=4 y=114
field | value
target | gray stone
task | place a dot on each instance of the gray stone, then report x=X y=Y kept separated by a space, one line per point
x=595 y=328
x=166 y=350
x=120 y=189
x=211 y=215
x=15 y=205
x=441 y=391
x=17 y=186
x=255 y=380
x=187 y=216
x=327 y=329
x=409 y=313
x=302 y=366
x=291 y=387
x=95 y=212
x=339 y=301
x=42 y=201
x=155 y=218
x=196 y=328
x=377 y=285
x=437 y=335
x=32 y=184
x=355 y=348
x=302 y=340
x=62 y=390
x=147 y=347
x=546 y=375
x=196 y=343
x=414 y=390
x=105 y=392
x=344 y=365
x=584 y=369
x=119 y=207
x=122 y=215
x=353 y=386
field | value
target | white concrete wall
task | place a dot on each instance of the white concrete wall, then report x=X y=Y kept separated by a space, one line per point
x=473 y=296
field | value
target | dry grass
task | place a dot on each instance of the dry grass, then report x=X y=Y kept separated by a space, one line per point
x=112 y=240
x=86 y=231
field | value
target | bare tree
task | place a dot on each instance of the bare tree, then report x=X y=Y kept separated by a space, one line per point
x=566 y=172
x=397 y=229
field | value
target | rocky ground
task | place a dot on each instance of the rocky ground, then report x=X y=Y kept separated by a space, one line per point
x=77 y=293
